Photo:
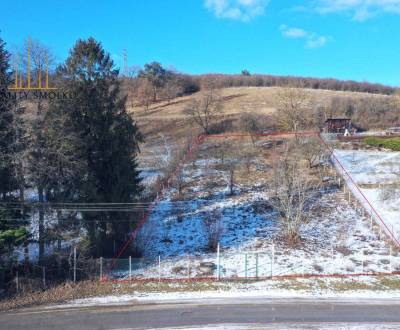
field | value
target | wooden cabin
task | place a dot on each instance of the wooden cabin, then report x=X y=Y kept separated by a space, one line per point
x=338 y=125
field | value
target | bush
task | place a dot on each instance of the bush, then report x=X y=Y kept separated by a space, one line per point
x=213 y=230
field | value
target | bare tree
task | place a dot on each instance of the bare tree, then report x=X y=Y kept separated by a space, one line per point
x=36 y=57
x=37 y=61
x=248 y=123
x=145 y=93
x=248 y=158
x=172 y=88
x=204 y=108
x=132 y=83
x=292 y=108
x=292 y=194
x=220 y=151
x=213 y=229
x=391 y=191
x=180 y=183
x=231 y=169
x=313 y=151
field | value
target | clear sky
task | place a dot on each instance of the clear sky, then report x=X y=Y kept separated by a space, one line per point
x=345 y=39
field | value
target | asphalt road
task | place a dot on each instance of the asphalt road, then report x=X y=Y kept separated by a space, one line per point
x=257 y=314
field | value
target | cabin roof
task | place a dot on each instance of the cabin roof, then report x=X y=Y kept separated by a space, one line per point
x=337 y=119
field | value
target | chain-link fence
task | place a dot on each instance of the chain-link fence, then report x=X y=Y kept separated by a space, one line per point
x=336 y=260
x=19 y=277
x=354 y=194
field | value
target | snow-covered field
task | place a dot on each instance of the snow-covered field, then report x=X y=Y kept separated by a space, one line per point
x=336 y=239
x=376 y=173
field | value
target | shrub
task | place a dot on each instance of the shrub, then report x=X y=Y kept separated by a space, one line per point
x=213 y=230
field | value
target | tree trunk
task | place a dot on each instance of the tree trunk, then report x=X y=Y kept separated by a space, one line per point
x=22 y=201
x=154 y=94
x=231 y=181
x=41 y=225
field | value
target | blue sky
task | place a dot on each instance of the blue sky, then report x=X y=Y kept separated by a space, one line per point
x=345 y=39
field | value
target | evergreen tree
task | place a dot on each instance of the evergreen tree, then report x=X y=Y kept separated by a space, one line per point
x=109 y=141
x=7 y=136
x=156 y=75
x=12 y=227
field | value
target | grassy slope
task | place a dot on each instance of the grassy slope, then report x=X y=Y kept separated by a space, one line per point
x=169 y=120
x=257 y=100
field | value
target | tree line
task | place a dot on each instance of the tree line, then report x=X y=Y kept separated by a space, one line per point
x=245 y=79
x=154 y=83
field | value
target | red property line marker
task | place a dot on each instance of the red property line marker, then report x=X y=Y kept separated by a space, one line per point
x=251 y=278
x=391 y=234
x=197 y=141
x=195 y=144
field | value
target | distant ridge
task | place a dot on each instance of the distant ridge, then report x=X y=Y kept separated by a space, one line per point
x=264 y=80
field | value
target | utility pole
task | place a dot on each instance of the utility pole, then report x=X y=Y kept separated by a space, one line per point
x=74 y=264
x=125 y=71
x=29 y=63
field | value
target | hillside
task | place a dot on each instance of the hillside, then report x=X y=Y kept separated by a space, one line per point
x=166 y=124
x=258 y=100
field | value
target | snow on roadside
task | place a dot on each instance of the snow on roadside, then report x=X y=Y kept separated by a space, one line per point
x=325 y=289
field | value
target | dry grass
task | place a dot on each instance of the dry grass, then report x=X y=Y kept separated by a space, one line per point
x=57 y=294
x=87 y=289
x=168 y=120
x=259 y=100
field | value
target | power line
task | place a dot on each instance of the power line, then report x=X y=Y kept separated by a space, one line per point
x=88 y=203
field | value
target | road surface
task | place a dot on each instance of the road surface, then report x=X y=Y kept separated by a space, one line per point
x=247 y=314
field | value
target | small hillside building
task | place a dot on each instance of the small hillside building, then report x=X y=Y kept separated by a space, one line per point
x=338 y=125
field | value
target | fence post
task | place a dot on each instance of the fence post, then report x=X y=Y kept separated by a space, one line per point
x=272 y=259
x=44 y=277
x=74 y=264
x=101 y=268
x=130 y=269
x=159 y=268
x=17 y=281
x=370 y=218
x=256 y=265
x=189 y=268
x=245 y=265
x=218 y=263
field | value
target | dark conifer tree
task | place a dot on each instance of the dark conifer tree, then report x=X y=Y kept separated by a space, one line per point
x=12 y=226
x=109 y=141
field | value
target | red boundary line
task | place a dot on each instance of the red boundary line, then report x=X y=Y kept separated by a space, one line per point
x=391 y=234
x=196 y=142
x=251 y=278
x=194 y=145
